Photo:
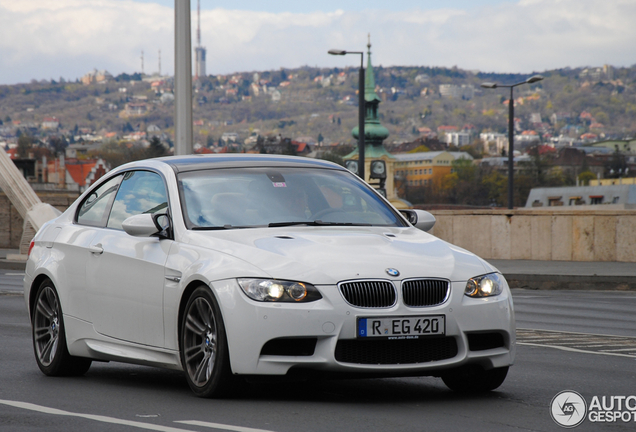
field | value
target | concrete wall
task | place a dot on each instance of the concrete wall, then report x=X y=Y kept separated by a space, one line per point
x=11 y=222
x=546 y=234
x=538 y=234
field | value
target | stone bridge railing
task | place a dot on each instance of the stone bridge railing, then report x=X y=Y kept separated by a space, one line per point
x=545 y=234
x=538 y=234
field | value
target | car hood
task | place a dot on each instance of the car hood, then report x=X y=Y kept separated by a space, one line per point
x=328 y=255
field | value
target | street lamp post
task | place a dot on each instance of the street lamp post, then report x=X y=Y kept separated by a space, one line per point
x=361 y=108
x=511 y=121
x=182 y=78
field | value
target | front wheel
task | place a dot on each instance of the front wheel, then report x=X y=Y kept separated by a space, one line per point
x=49 y=337
x=203 y=343
x=474 y=379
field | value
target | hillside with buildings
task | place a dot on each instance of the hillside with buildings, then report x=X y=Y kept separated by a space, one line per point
x=574 y=122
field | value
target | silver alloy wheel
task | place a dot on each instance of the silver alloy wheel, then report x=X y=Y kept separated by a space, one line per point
x=46 y=325
x=200 y=341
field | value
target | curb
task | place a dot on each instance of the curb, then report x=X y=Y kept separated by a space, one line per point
x=571 y=282
x=12 y=265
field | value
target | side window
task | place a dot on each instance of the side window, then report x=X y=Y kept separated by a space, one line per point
x=95 y=208
x=140 y=192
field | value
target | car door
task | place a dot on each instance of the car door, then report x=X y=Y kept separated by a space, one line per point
x=73 y=241
x=125 y=274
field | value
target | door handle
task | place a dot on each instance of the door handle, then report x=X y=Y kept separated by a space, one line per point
x=96 y=249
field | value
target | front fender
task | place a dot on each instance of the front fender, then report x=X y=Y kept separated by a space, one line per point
x=189 y=266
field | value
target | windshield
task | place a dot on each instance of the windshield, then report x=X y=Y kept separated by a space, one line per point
x=256 y=197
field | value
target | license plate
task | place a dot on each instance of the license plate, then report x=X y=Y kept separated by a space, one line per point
x=402 y=327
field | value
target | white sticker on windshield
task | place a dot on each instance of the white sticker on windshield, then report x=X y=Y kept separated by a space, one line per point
x=279 y=184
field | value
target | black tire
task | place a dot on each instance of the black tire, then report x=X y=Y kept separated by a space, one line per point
x=49 y=336
x=474 y=379
x=203 y=346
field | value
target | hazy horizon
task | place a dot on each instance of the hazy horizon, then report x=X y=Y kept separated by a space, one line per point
x=68 y=38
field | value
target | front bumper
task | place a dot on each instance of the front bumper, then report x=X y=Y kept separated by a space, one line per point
x=481 y=329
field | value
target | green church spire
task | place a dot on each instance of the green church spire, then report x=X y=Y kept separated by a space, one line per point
x=374 y=132
x=369 y=79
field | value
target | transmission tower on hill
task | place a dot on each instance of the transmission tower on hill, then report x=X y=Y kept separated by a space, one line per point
x=199 y=51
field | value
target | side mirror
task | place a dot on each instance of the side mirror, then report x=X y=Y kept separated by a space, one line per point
x=146 y=224
x=420 y=219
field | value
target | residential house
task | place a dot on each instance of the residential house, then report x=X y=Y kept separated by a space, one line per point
x=50 y=123
x=494 y=143
x=135 y=109
x=84 y=173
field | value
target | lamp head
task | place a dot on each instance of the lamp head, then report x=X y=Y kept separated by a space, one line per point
x=534 y=79
x=337 y=52
x=489 y=85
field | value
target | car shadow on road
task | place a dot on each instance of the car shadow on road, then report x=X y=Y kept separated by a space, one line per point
x=316 y=389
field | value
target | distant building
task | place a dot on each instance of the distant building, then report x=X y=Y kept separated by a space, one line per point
x=422 y=79
x=84 y=173
x=425 y=168
x=199 y=65
x=135 y=109
x=199 y=51
x=458 y=138
x=96 y=76
x=560 y=117
x=464 y=91
x=494 y=143
x=521 y=163
x=50 y=123
x=528 y=136
x=229 y=137
x=68 y=174
x=535 y=117
x=627 y=146
x=620 y=196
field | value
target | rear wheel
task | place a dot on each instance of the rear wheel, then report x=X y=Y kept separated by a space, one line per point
x=204 y=351
x=49 y=338
x=474 y=379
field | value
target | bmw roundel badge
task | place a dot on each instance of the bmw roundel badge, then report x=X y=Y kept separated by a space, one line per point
x=392 y=272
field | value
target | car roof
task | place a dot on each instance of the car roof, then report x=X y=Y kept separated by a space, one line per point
x=240 y=160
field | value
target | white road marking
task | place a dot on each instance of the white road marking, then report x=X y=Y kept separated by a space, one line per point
x=622 y=349
x=141 y=425
x=103 y=419
x=576 y=350
x=221 y=426
x=556 y=332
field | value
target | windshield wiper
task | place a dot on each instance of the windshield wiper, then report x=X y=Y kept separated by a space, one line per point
x=315 y=223
x=212 y=228
x=220 y=227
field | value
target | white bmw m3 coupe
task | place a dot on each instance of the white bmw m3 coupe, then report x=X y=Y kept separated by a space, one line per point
x=231 y=266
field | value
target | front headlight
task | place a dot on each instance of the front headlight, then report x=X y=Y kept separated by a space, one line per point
x=484 y=286
x=272 y=290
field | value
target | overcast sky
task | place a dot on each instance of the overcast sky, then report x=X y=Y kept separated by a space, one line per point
x=46 y=39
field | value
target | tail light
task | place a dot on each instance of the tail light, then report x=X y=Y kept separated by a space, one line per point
x=30 y=247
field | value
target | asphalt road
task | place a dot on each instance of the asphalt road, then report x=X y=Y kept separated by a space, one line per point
x=559 y=349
